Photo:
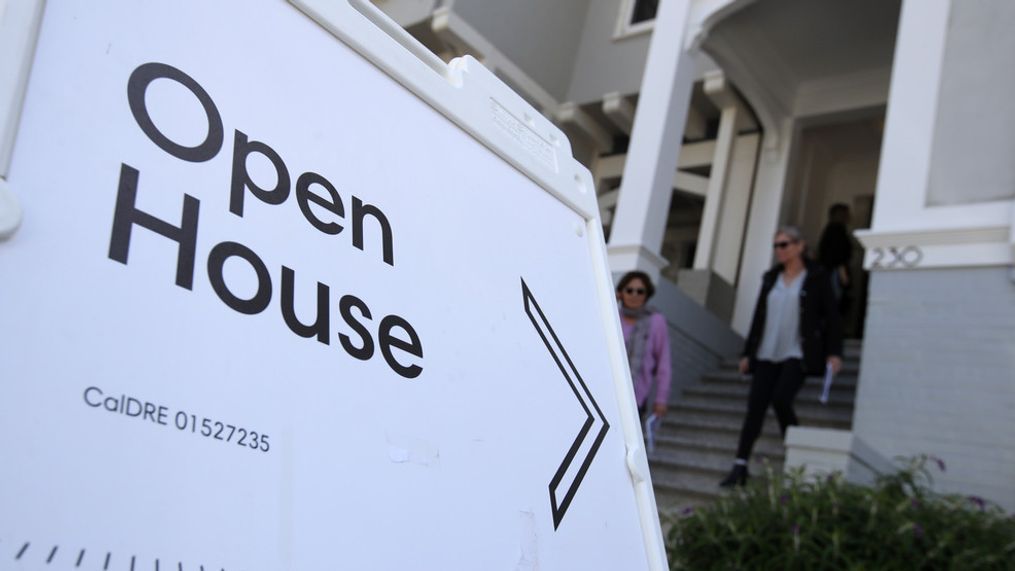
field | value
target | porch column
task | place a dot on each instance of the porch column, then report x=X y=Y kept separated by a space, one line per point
x=644 y=202
x=717 y=88
x=766 y=204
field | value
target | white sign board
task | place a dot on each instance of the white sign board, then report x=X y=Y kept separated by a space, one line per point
x=280 y=303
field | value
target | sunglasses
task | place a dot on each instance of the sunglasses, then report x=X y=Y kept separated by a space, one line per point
x=634 y=291
x=781 y=245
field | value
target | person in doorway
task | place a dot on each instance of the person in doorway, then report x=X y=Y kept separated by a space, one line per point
x=794 y=333
x=835 y=250
x=647 y=341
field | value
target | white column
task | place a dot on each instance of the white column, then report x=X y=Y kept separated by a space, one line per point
x=907 y=145
x=763 y=221
x=736 y=203
x=644 y=203
x=718 y=89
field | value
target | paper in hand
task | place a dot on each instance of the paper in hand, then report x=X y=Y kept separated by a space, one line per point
x=829 y=377
x=651 y=425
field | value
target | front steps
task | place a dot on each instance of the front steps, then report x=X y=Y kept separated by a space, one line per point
x=698 y=439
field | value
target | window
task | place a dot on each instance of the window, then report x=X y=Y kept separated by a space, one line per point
x=643 y=10
x=636 y=17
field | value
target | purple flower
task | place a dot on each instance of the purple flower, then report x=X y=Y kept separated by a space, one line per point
x=687 y=512
x=784 y=499
x=979 y=502
x=795 y=528
x=914 y=503
x=917 y=531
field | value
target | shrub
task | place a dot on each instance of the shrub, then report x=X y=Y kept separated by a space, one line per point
x=792 y=522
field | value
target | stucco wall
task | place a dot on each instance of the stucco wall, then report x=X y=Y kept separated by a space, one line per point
x=938 y=375
x=974 y=136
x=539 y=36
x=699 y=341
x=604 y=64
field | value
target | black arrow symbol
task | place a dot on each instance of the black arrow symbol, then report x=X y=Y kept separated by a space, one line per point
x=560 y=504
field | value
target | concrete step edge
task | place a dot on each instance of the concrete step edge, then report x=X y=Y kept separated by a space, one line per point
x=769 y=430
x=728 y=446
x=808 y=394
x=803 y=411
x=842 y=380
x=714 y=464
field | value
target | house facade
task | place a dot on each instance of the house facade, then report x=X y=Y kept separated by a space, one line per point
x=707 y=124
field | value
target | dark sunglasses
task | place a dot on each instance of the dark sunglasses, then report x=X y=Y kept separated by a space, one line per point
x=781 y=245
x=634 y=291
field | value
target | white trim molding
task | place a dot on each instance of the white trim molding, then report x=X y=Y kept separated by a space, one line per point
x=843 y=93
x=624 y=257
x=768 y=97
x=569 y=114
x=707 y=13
x=619 y=110
x=624 y=28
x=937 y=248
x=691 y=155
x=1011 y=240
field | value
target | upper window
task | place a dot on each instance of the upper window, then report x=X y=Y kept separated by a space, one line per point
x=643 y=10
x=636 y=17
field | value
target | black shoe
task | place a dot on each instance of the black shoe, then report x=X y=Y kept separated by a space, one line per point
x=737 y=477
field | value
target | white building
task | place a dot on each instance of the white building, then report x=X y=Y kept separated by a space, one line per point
x=709 y=123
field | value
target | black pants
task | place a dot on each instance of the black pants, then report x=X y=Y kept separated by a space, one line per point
x=776 y=384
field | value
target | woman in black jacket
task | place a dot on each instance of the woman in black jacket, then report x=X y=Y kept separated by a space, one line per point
x=795 y=332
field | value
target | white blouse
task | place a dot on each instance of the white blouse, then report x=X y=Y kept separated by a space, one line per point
x=781 y=337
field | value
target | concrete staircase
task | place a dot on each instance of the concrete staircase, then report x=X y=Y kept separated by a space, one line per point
x=697 y=442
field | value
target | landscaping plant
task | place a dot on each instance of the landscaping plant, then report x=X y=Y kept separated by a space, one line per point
x=796 y=522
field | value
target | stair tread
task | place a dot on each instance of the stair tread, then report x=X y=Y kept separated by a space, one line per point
x=694 y=485
x=842 y=380
x=699 y=425
x=695 y=445
x=808 y=394
x=690 y=487
x=803 y=411
x=724 y=445
x=716 y=463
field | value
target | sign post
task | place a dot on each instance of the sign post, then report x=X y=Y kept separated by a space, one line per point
x=285 y=291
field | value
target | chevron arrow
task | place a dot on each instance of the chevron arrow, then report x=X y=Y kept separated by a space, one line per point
x=565 y=482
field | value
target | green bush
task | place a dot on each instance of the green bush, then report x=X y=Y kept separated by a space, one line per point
x=796 y=523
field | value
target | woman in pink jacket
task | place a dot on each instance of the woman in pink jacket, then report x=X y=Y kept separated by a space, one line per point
x=647 y=340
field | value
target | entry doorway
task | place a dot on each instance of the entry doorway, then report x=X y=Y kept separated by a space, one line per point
x=837 y=163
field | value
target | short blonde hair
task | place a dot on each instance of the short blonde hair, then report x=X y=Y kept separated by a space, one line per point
x=791 y=231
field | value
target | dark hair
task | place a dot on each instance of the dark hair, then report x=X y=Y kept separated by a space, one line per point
x=650 y=289
x=838 y=212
